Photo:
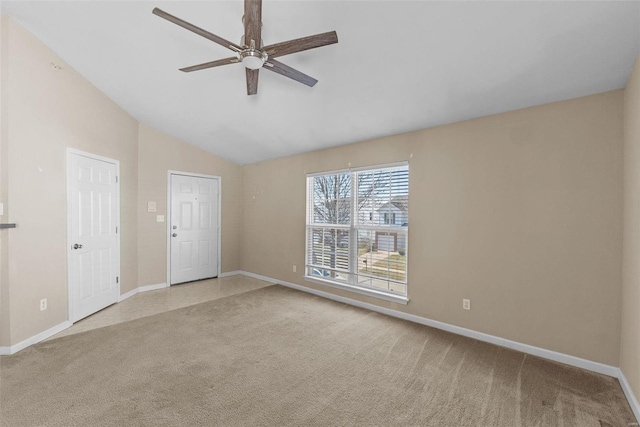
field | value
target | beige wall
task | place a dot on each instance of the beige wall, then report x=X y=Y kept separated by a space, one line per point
x=630 y=349
x=520 y=212
x=49 y=111
x=159 y=153
x=5 y=320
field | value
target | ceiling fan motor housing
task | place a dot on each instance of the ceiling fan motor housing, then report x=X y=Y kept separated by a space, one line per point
x=253 y=58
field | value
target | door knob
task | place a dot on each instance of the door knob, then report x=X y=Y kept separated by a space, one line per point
x=175 y=226
x=174 y=235
x=77 y=246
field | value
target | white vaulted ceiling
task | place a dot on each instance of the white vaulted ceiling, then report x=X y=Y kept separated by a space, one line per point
x=399 y=65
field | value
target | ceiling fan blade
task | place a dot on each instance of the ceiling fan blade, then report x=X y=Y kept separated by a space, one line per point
x=197 y=30
x=304 y=43
x=292 y=73
x=252 y=81
x=253 y=22
x=204 y=66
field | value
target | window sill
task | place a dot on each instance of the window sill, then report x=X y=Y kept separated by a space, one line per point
x=369 y=292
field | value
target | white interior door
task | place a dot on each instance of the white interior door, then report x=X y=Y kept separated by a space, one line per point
x=194 y=228
x=94 y=250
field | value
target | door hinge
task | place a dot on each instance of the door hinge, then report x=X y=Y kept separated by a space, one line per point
x=116 y=179
x=117 y=279
x=116 y=230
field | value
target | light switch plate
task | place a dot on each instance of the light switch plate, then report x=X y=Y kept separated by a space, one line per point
x=160 y=218
x=151 y=206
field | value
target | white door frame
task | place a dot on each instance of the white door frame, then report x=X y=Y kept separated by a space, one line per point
x=168 y=216
x=70 y=152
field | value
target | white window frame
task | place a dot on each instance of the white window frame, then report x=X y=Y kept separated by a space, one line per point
x=352 y=285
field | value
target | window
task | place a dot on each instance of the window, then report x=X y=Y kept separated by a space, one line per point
x=357 y=229
x=386 y=218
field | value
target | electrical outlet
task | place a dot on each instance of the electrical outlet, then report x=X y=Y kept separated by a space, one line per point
x=294 y=268
x=466 y=304
x=43 y=304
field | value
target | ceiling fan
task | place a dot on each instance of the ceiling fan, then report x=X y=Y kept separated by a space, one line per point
x=250 y=50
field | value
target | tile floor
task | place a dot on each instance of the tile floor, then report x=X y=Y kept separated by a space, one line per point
x=153 y=302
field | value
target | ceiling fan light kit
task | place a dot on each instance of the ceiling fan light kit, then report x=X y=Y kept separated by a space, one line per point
x=255 y=58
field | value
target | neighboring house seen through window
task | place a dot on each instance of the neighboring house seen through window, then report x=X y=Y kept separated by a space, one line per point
x=393 y=218
x=357 y=228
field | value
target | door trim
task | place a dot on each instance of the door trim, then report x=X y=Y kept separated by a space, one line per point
x=70 y=152
x=168 y=216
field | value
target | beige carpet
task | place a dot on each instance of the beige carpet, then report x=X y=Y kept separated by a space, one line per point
x=276 y=356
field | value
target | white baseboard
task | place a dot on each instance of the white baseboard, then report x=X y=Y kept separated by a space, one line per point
x=4 y=351
x=589 y=365
x=128 y=294
x=152 y=287
x=628 y=392
x=230 y=273
x=141 y=289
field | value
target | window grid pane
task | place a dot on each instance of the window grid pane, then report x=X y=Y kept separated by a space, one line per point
x=331 y=199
